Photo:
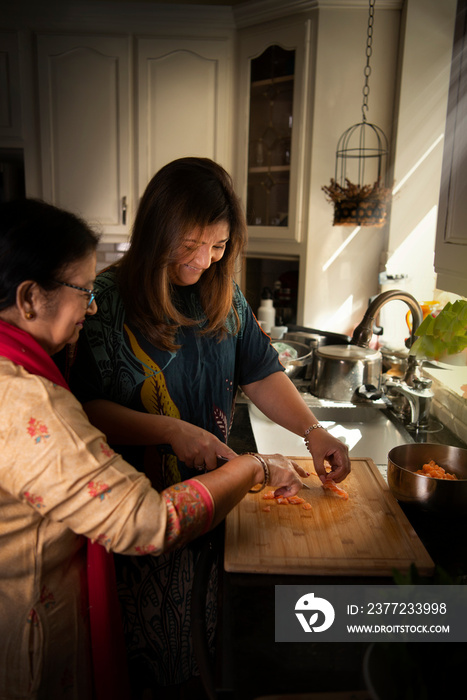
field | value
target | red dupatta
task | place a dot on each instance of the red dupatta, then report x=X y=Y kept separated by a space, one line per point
x=107 y=645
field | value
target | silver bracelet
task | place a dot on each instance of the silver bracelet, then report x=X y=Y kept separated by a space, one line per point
x=265 y=470
x=308 y=431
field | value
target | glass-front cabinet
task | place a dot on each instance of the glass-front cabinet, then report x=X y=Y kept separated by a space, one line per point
x=272 y=154
x=270 y=137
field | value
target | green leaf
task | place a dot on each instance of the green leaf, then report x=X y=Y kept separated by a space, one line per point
x=426 y=326
x=445 y=333
x=440 y=577
x=443 y=578
x=409 y=579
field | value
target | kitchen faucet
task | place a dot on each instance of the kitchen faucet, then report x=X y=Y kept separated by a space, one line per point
x=364 y=331
x=416 y=390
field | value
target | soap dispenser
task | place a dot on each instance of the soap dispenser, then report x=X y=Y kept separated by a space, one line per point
x=266 y=311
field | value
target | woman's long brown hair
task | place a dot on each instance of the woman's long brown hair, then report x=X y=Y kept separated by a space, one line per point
x=186 y=194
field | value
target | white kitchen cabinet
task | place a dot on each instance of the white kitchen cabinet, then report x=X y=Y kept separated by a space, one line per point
x=451 y=237
x=85 y=127
x=184 y=101
x=10 y=95
x=272 y=133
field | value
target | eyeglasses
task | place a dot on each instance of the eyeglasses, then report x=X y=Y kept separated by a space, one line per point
x=92 y=296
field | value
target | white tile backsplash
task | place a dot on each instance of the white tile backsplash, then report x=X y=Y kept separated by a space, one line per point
x=450 y=401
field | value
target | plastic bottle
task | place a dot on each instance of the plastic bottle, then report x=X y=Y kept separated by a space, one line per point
x=266 y=312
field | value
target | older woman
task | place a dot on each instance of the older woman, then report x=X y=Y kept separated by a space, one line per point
x=61 y=485
x=158 y=369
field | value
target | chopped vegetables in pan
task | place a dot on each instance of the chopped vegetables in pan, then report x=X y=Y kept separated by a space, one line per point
x=435 y=471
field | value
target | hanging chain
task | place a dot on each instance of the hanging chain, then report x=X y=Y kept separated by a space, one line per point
x=367 y=71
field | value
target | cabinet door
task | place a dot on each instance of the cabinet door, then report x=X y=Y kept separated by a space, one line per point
x=183 y=102
x=451 y=237
x=85 y=123
x=269 y=137
x=10 y=102
x=272 y=132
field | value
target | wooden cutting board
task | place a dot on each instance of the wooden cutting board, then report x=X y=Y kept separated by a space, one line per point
x=366 y=535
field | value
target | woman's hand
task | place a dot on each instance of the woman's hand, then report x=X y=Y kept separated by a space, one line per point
x=284 y=474
x=323 y=446
x=196 y=447
x=124 y=426
x=278 y=398
x=231 y=482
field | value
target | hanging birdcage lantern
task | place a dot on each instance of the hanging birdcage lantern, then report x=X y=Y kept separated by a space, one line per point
x=361 y=156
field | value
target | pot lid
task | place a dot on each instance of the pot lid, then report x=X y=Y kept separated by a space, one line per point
x=347 y=352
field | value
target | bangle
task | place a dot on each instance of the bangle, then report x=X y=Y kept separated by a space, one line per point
x=308 y=431
x=265 y=470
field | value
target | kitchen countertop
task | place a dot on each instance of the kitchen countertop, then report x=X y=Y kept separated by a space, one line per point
x=251 y=664
x=431 y=529
x=437 y=432
x=242 y=438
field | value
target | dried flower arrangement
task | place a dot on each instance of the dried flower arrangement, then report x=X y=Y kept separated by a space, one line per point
x=358 y=205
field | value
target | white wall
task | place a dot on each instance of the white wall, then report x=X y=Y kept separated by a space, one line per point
x=335 y=290
x=408 y=101
x=427 y=32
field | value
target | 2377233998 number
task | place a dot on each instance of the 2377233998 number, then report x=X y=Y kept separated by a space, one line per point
x=406 y=609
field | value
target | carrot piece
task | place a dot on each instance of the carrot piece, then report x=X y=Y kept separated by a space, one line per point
x=267 y=509
x=307 y=506
x=282 y=500
x=332 y=486
x=296 y=500
x=269 y=496
x=434 y=471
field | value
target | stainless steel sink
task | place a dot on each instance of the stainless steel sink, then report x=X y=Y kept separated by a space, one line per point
x=347 y=413
x=367 y=429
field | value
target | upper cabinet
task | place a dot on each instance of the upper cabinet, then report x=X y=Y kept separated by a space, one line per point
x=84 y=102
x=270 y=137
x=108 y=124
x=271 y=156
x=184 y=102
x=451 y=239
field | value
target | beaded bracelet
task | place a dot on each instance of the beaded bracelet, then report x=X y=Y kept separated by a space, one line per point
x=265 y=470
x=308 y=431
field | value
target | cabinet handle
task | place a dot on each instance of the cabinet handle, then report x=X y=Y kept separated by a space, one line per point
x=124 y=210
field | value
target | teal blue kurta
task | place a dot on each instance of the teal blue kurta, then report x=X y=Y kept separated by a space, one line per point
x=197 y=384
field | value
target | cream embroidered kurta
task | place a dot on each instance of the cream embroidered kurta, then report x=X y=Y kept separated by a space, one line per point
x=59 y=480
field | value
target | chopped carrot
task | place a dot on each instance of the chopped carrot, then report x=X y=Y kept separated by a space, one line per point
x=269 y=496
x=282 y=500
x=332 y=486
x=296 y=500
x=307 y=506
x=435 y=471
x=267 y=509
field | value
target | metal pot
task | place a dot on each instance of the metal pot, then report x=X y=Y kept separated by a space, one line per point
x=436 y=495
x=339 y=370
x=310 y=339
x=315 y=337
x=297 y=367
